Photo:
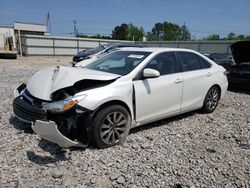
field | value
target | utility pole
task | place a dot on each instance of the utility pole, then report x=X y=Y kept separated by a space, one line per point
x=75 y=30
x=183 y=29
x=48 y=24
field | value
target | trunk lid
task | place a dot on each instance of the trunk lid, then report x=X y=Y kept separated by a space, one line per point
x=241 y=51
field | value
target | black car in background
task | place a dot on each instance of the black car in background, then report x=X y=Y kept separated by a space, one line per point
x=102 y=49
x=239 y=74
x=85 y=53
x=221 y=59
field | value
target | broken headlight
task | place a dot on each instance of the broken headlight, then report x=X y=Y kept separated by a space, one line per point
x=63 y=105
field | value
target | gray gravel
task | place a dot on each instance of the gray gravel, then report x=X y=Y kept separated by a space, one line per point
x=191 y=150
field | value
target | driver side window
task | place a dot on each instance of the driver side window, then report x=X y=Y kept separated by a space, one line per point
x=165 y=63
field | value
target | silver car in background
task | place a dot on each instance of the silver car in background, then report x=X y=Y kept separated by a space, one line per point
x=124 y=89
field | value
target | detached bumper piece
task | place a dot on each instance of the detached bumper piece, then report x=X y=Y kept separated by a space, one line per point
x=49 y=131
x=25 y=110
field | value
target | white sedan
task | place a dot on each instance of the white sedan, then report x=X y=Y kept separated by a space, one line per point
x=104 y=99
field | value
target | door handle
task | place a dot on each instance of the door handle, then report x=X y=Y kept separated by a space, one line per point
x=178 y=80
x=209 y=74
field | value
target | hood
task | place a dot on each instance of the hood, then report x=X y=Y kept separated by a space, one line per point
x=48 y=80
x=241 y=51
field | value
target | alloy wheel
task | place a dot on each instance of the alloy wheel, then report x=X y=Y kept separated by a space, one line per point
x=113 y=127
x=212 y=99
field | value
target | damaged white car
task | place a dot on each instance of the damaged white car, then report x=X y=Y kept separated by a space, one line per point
x=104 y=99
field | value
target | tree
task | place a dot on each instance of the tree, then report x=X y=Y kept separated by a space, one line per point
x=186 y=35
x=157 y=31
x=241 y=37
x=135 y=33
x=212 y=37
x=97 y=36
x=128 y=32
x=169 y=31
x=120 y=32
x=231 y=36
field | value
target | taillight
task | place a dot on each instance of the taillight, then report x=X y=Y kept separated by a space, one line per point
x=226 y=73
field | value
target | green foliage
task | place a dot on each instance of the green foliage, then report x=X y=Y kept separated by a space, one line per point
x=127 y=32
x=169 y=31
x=212 y=37
x=230 y=36
x=97 y=36
x=186 y=35
x=135 y=33
x=233 y=36
x=165 y=31
x=120 y=32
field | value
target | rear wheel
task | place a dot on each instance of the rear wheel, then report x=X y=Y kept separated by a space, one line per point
x=211 y=100
x=111 y=126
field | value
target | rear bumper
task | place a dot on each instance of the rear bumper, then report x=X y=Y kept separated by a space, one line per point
x=49 y=131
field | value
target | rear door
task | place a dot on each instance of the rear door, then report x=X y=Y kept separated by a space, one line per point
x=159 y=97
x=197 y=78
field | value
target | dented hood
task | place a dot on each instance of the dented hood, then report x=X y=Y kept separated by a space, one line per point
x=51 y=79
x=241 y=51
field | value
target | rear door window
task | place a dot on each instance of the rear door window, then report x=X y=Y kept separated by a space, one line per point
x=191 y=61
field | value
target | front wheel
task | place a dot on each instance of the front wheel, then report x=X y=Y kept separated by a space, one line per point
x=111 y=126
x=211 y=100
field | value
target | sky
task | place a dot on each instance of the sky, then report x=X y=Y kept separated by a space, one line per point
x=202 y=17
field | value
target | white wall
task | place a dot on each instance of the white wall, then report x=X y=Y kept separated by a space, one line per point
x=30 y=27
x=1 y=41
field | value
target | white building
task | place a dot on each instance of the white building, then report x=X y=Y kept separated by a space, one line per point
x=30 y=28
x=10 y=35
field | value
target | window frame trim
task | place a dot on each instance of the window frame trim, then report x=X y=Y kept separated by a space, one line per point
x=181 y=62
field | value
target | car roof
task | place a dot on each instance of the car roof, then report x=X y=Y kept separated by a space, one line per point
x=149 y=49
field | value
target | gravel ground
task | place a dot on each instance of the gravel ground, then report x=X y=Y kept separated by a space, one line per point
x=191 y=150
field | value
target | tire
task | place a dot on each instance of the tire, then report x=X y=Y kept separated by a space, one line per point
x=110 y=126
x=211 y=100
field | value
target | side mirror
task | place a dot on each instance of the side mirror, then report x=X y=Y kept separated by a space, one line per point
x=150 y=73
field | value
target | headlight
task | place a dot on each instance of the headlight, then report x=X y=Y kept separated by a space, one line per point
x=60 y=106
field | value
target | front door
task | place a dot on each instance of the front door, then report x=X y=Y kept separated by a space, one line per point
x=156 y=98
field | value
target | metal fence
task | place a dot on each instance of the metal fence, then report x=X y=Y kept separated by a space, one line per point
x=66 y=46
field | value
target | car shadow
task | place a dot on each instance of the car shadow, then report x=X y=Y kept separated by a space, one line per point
x=163 y=122
x=57 y=154
x=20 y=125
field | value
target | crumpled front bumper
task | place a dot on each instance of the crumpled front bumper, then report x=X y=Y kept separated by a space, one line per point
x=49 y=131
x=39 y=123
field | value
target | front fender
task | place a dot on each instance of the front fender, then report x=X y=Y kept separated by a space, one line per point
x=114 y=92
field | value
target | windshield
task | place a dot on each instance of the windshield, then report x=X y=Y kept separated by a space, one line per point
x=119 y=62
